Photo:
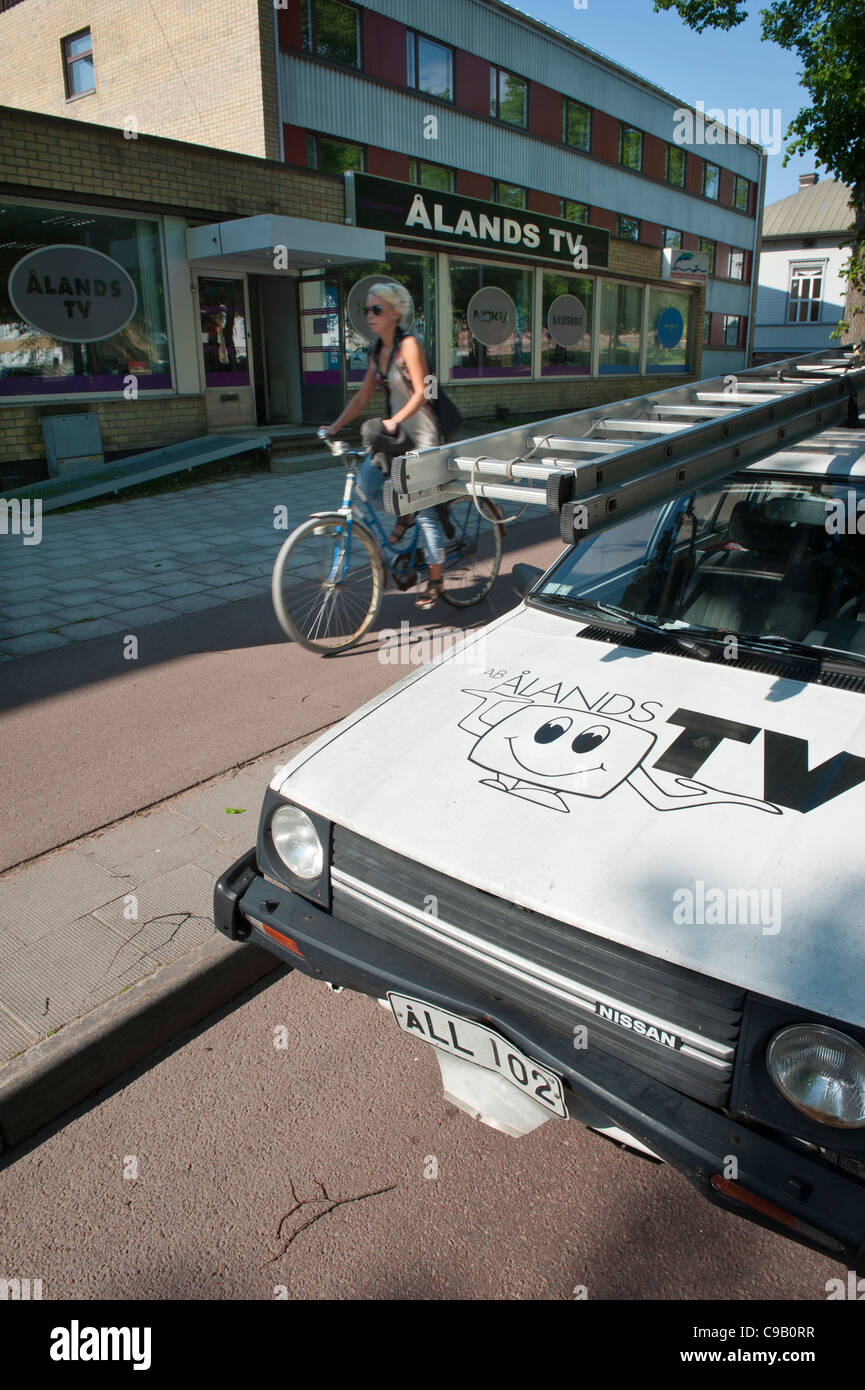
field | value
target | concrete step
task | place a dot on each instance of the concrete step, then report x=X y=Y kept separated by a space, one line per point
x=302 y=463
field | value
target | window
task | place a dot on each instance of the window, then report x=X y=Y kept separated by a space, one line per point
x=707 y=328
x=417 y=274
x=806 y=293
x=741 y=193
x=431 y=175
x=667 y=346
x=333 y=156
x=628 y=228
x=509 y=97
x=732 y=330
x=630 y=147
x=675 y=173
x=566 y=328
x=709 y=248
x=672 y=238
x=573 y=212
x=509 y=193
x=430 y=66
x=506 y=352
x=331 y=30
x=711 y=181
x=35 y=363
x=621 y=319
x=78 y=64
x=736 y=270
x=576 y=125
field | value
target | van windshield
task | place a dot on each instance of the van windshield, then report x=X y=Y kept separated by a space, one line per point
x=751 y=556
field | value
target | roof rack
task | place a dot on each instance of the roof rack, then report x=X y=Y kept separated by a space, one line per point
x=599 y=465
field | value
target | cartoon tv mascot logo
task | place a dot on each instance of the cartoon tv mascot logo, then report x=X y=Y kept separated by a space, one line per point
x=545 y=753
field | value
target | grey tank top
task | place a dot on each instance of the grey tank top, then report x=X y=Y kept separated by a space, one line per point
x=422 y=427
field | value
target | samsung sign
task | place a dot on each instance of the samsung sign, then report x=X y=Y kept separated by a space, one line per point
x=72 y=293
x=426 y=213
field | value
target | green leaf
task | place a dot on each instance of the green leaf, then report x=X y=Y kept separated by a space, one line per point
x=235 y=810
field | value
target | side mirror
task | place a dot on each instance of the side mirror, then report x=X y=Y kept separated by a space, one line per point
x=525 y=577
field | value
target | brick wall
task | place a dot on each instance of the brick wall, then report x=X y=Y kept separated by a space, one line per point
x=126 y=425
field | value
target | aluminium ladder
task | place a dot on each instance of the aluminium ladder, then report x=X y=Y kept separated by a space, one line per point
x=599 y=465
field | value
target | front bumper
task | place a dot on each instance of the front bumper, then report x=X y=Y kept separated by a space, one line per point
x=822 y=1208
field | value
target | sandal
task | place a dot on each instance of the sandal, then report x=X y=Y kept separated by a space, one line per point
x=400 y=529
x=430 y=595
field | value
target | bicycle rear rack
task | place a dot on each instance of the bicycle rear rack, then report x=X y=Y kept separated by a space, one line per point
x=596 y=466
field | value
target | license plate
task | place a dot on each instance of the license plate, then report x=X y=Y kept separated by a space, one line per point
x=475 y=1043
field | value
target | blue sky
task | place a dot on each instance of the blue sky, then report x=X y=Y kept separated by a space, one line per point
x=726 y=70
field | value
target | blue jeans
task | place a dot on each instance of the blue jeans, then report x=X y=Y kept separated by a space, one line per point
x=432 y=536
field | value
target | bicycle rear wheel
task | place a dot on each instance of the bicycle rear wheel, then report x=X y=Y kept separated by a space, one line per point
x=327 y=589
x=473 y=552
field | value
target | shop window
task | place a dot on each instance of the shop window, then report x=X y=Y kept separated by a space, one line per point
x=33 y=362
x=707 y=328
x=806 y=294
x=223 y=331
x=417 y=273
x=509 y=193
x=672 y=238
x=431 y=175
x=741 y=193
x=628 y=228
x=509 y=97
x=331 y=30
x=711 y=181
x=736 y=269
x=621 y=324
x=573 y=212
x=566 y=332
x=491 y=334
x=78 y=64
x=630 y=147
x=732 y=330
x=667 y=346
x=333 y=156
x=430 y=66
x=576 y=125
x=708 y=247
x=675 y=170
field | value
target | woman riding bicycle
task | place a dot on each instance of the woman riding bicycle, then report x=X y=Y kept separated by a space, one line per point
x=398 y=364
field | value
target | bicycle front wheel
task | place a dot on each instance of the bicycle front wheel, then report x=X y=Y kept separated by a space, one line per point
x=473 y=550
x=327 y=583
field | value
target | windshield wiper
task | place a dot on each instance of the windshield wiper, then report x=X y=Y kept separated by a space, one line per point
x=789 y=645
x=630 y=620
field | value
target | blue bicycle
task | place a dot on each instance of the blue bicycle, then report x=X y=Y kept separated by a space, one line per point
x=331 y=572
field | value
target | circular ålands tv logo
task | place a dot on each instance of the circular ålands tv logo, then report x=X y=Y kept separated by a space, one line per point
x=73 y=293
x=669 y=328
x=367 y=326
x=491 y=316
x=566 y=320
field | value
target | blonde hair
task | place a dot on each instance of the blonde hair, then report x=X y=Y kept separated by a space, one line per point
x=397 y=296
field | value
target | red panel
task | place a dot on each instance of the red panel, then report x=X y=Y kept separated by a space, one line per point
x=749 y=261
x=288 y=25
x=690 y=241
x=601 y=217
x=472 y=81
x=651 y=233
x=543 y=202
x=605 y=137
x=725 y=188
x=473 y=185
x=654 y=157
x=545 y=112
x=722 y=259
x=716 y=331
x=384 y=48
x=388 y=164
x=694 y=174
x=294 y=140
x=752 y=198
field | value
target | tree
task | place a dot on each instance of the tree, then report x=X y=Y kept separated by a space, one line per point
x=828 y=37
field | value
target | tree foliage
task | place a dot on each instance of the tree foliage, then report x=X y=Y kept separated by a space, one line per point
x=828 y=37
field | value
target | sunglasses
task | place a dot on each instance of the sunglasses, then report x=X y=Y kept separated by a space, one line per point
x=373 y=309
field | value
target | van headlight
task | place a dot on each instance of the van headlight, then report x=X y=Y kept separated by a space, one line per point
x=821 y=1072
x=297 y=842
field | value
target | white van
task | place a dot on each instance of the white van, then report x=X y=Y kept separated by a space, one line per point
x=607 y=856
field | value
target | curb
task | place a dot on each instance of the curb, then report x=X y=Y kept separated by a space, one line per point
x=85 y=1055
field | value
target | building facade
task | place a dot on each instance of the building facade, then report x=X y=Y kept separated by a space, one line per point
x=565 y=237
x=801 y=287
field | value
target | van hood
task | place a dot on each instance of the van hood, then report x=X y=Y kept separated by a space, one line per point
x=704 y=814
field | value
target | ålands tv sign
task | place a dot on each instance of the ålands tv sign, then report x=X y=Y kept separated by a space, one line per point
x=72 y=293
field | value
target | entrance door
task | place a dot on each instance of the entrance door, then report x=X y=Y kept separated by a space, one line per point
x=225 y=345
x=322 y=369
